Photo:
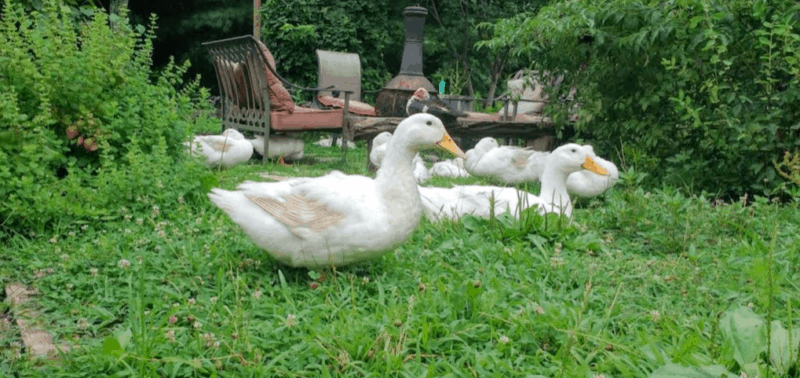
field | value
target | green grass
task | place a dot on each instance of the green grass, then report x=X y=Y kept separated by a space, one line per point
x=637 y=279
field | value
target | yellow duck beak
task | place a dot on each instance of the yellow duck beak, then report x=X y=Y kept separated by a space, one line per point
x=592 y=166
x=448 y=144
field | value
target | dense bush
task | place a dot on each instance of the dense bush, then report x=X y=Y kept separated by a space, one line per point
x=702 y=94
x=293 y=30
x=84 y=128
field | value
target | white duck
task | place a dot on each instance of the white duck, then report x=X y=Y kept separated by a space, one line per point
x=508 y=163
x=588 y=184
x=452 y=203
x=421 y=173
x=379 y=148
x=228 y=149
x=326 y=142
x=460 y=200
x=449 y=168
x=379 y=144
x=282 y=147
x=339 y=219
x=500 y=162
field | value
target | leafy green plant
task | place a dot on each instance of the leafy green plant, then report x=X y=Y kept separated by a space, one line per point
x=789 y=167
x=620 y=290
x=294 y=30
x=701 y=88
x=88 y=129
x=454 y=78
x=746 y=341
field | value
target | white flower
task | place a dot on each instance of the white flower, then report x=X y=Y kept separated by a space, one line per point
x=124 y=264
x=291 y=320
x=654 y=316
x=504 y=339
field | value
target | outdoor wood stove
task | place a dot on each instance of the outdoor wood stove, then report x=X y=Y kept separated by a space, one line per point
x=392 y=99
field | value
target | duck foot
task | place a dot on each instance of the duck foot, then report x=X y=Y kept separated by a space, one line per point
x=282 y=163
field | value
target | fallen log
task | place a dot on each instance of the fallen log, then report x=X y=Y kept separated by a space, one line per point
x=358 y=127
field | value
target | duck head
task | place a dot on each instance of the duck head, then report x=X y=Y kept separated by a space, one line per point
x=425 y=131
x=574 y=157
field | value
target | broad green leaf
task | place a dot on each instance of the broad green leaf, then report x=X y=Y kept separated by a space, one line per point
x=124 y=338
x=744 y=331
x=284 y=286
x=471 y=223
x=677 y=371
x=111 y=346
x=782 y=354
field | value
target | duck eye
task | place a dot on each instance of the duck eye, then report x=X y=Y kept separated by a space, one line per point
x=429 y=123
x=574 y=150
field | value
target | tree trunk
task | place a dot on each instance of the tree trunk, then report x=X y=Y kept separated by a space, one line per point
x=496 y=71
x=115 y=9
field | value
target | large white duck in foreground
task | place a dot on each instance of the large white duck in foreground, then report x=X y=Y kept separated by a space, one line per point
x=339 y=219
x=379 y=144
x=228 y=149
x=472 y=199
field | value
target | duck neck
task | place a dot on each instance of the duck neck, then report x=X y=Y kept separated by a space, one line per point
x=397 y=186
x=554 y=189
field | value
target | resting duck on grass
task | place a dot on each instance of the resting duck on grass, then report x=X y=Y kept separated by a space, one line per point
x=326 y=142
x=516 y=165
x=280 y=147
x=339 y=219
x=587 y=184
x=473 y=199
x=228 y=149
x=379 y=144
x=449 y=168
x=510 y=164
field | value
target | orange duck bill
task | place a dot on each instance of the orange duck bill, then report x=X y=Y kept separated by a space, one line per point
x=592 y=166
x=449 y=145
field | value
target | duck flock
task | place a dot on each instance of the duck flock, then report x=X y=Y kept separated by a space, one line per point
x=339 y=219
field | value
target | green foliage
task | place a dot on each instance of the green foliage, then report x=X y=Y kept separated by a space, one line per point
x=745 y=341
x=789 y=167
x=293 y=30
x=454 y=32
x=87 y=129
x=705 y=93
x=612 y=291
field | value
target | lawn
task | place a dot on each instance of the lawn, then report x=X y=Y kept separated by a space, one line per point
x=638 y=283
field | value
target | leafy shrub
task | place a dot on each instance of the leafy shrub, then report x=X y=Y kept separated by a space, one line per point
x=701 y=94
x=791 y=164
x=84 y=128
x=294 y=30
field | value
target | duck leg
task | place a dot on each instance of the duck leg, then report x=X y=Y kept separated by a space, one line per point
x=281 y=162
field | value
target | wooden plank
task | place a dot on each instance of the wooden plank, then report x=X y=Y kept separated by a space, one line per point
x=37 y=341
x=360 y=127
x=544 y=143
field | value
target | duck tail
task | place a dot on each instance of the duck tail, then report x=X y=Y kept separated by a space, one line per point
x=224 y=199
